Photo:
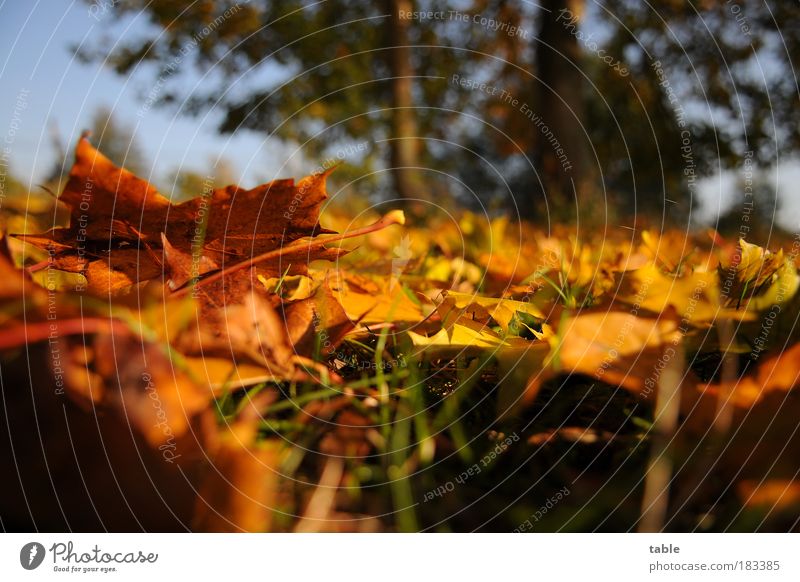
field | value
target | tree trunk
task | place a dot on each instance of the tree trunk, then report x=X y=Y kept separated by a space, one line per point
x=561 y=104
x=404 y=143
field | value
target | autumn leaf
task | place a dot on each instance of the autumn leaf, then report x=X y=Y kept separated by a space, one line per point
x=118 y=452
x=757 y=278
x=318 y=322
x=252 y=331
x=769 y=495
x=239 y=491
x=122 y=231
x=615 y=347
x=779 y=373
x=696 y=296
x=501 y=310
x=673 y=252
x=461 y=338
x=375 y=300
x=158 y=398
x=762 y=440
x=248 y=362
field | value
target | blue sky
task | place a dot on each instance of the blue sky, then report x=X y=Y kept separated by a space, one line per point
x=37 y=69
x=37 y=66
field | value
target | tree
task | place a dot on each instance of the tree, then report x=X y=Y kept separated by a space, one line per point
x=709 y=84
x=648 y=99
x=405 y=146
x=601 y=98
x=567 y=176
x=344 y=71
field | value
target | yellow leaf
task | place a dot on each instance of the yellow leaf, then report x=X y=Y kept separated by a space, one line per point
x=383 y=303
x=784 y=286
x=224 y=374
x=618 y=348
x=501 y=310
x=461 y=337
x=292 y=287
x=757 y=264
x=695 y=297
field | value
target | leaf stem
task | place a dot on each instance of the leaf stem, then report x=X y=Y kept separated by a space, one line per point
x=388 y=220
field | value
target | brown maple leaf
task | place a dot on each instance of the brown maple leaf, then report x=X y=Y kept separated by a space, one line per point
x=122 y=231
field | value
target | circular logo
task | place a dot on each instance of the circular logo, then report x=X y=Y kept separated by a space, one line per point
x=31 y=555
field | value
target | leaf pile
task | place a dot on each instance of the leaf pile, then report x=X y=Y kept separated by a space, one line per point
x=225 y=365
